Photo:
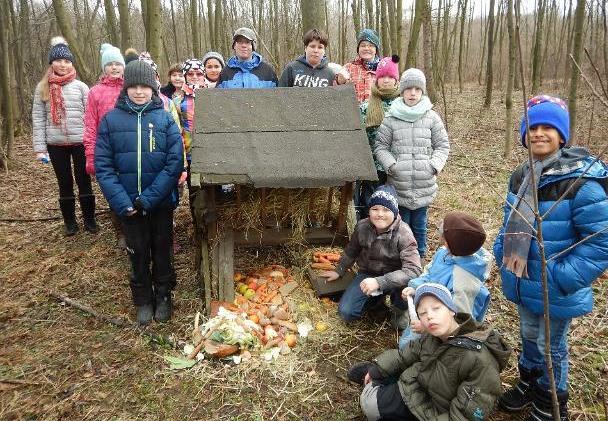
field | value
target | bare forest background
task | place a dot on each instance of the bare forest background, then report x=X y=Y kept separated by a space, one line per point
x=454 y=41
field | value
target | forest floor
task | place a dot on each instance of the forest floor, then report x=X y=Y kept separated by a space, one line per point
x=57 y=362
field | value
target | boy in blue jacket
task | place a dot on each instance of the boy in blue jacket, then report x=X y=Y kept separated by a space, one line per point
x=574 y=258
x=138 y=161
x=462 y=265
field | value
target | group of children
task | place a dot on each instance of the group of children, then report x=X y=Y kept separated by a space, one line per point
x=135 y=137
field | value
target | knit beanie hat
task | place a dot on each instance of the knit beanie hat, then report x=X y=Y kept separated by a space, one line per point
x=388 y=66
x=463 y=233
x=110 y=54
x=413 y=78
x=386 y=196
x=438 y=291
x=192 y=64
x=247 y=33
x=130 y=55
x=549 y=110
x=139 y=72
x=215 y=55
x=368 y=35
x=145 y=56
x=59 y=50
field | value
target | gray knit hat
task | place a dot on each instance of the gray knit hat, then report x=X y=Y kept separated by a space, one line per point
x=438 y=291
x=139 y=72
x=215 y=55
x=412 y=78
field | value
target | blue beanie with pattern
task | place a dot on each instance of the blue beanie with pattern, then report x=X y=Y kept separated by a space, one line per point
x=386 y=196
x=369 y=35
x=552 y=111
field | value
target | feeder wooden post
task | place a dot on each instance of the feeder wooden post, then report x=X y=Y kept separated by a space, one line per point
x=225 y=262
x=345 y=198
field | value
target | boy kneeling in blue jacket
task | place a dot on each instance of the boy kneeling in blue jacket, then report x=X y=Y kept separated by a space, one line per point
x=138 y=161
x=575 y=244
x=462 y=265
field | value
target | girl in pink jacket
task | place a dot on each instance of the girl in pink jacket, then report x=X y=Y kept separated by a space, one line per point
x=102 y=98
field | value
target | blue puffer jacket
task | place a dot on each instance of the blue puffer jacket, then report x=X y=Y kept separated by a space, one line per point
x=584 y=211
x=464 y=276
x=253 y=73
x=139 y=154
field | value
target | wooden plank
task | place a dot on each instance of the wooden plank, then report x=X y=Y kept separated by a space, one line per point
x=226 y=266
x=276 y=110
x=330 y=196
x=206 y=272
x=275 y=237
x=345 y=197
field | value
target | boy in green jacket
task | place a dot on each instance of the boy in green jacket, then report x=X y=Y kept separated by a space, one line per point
x=451 y=373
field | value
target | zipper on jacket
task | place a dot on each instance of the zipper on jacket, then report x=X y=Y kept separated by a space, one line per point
x=139 y=153
x=151 y=141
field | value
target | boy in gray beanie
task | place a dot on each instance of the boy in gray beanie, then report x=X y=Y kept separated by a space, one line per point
x=412 y=146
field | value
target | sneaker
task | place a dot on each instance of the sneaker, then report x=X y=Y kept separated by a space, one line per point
x=144 y=314
x=163 y=309
x=517 y=398
x=400 y=319
x=358 y=371
x=70 y=228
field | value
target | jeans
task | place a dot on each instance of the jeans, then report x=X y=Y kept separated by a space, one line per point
x=417 y=220
x=532 y=331
x=407 y=336
x=354 y=301
x=62 y=158
x=150 y=240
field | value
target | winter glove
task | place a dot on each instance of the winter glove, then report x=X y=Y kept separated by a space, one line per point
x=139 y=207
x=43 y=157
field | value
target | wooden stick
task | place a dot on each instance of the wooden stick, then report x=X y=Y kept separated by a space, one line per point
x=116 y=321
x=330 y=196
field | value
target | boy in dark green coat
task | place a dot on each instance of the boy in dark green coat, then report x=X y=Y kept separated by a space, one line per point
x=451 y=373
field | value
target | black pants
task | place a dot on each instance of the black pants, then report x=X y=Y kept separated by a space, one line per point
x=150 y=240
x=363 y=193
x=61 y=159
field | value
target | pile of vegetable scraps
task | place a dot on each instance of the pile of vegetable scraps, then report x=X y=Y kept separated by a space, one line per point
x=259 y=321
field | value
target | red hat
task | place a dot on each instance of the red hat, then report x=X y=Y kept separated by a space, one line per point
x=388 y=67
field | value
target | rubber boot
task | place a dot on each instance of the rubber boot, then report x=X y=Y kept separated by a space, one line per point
x=518 y=397
x=121 y=241
x=542 y=407
x=87 y=206
x=164 y=308
x=67 y=205
x=144 y=314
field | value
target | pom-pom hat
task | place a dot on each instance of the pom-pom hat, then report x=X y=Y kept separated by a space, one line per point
x=110 y=54
x=388 y=66
x=60 y=50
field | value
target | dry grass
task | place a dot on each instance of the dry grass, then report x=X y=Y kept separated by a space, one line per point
x=57 y=362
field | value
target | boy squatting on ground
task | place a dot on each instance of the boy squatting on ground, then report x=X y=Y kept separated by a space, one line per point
x=385 y=251
x=452 y=372
x=412 y=146
x=582 y=213
x=138 y=160
x=462 y=265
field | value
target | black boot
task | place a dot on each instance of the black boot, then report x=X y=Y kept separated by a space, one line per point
x=164 y=308
x=358 y=371
x=87 y=206
x=518 y=397
x=67 y=205
x=144 y=314
x=542 y=407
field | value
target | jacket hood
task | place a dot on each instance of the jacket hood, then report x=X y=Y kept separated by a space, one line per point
x=121 y=103
x=111 y=81
x=478 y=264
x=472 y=334
x=322 y=64
x=574 y=162
x=245 y=66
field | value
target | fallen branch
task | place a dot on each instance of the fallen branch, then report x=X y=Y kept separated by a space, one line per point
x=116 y=321
x=44 y=219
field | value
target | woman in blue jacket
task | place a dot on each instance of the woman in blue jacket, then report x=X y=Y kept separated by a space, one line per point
x=138 y=161
x=576 y=247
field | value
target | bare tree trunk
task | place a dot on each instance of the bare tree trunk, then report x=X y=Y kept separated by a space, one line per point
x=153 y=18
x=111 y=22
x=508 y=145
x=125 y=26
x=410 y=59
x=605 y=25
x=538 y=45
x=399 y=30
x=427 y=32
x=65 y=25
x=144 y=17
x=313 y=14
x=356 y=8
x=174 y=29
x=463 y=18
x=344 y=19
x=579 y=21
x=211 y=23
x=394 y=34
x=385 y=32
x=196 y=45
x=369 y=9
x=489 y=67
x=7 y=141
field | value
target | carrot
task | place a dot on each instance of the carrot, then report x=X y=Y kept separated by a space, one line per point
x=323 y=266
x=323 y=260
x=289 y=325
x=315 y=259
x=270 y=296
x=332 y=257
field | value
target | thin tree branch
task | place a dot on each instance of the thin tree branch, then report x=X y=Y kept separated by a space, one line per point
x=597 y=95
x=597 y=72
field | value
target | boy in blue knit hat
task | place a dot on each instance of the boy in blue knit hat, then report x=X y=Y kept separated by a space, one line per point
x=386 y=253
x=575 y=245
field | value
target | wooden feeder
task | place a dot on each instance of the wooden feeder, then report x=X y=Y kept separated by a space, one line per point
x=263 y=140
